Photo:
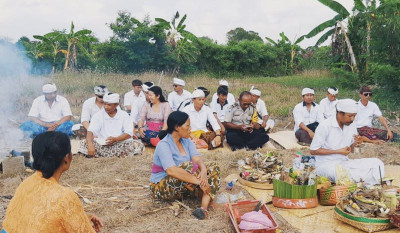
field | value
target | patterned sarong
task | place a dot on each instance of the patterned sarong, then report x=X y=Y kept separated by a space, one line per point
x=372 y=133
x=171 y=188
x=119 y=149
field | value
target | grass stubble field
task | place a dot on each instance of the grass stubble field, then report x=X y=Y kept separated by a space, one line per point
x=112 y=188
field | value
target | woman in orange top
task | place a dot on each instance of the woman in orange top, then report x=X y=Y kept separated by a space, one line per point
x=40 y=203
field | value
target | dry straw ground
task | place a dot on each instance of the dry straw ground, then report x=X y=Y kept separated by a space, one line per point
x=112 y=188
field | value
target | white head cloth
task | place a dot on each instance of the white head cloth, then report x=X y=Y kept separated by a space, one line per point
x=223 y=83
x=333 y=91
x=198 y=93
x=49 y=88
x=255 y=91
x=100 y=91
x=178 y=81
x=307 y=91
x=111 y=98
x=146 y=87
x=347 y=106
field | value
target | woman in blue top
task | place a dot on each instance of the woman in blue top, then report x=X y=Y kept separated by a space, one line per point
x=178 y=169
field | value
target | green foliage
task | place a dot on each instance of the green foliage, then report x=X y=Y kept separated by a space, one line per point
x=239 y=34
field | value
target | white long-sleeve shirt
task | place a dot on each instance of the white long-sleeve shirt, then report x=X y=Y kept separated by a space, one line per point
x=175 y=100
x=327 y=107
x=198 y=119
x=302 y=115
x=104 y=126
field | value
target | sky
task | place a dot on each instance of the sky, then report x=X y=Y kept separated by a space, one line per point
x=211 y=18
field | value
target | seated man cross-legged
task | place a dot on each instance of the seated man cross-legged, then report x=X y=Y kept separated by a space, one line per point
x=199 y=114
x=110 y=132
x=365 y=113
x=49 y=112
x=333 y=141
x=241 y=123
x=307 y=116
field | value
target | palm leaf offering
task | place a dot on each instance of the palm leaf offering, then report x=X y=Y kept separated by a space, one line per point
x=368 y=202
x=260 y=168
x=290 y=191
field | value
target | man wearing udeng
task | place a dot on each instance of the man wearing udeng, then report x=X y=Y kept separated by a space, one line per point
x=333 y=142
x=49 y=112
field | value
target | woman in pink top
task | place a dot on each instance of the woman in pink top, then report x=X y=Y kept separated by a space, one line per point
x=152 y=123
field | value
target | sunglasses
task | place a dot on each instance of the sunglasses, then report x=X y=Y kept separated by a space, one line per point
x=367 y=94
x=100 y=96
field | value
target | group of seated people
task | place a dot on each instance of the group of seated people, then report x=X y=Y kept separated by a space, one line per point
x=308 y=115
x=333 y=129
x=111 y=131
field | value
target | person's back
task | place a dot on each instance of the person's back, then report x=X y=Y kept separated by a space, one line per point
x=42 y=205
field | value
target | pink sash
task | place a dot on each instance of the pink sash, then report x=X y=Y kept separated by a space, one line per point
x=154 y=126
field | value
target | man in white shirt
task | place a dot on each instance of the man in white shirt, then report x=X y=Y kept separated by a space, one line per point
x=110 y=132
x=366 y=111
x=306 y=117
x=49 y=112
x=189 y=101
x=231 y=97
x=261 y=108
x=199 y=115
x=92 y=105
x=334 y=140
x=179 y=94
x=135 y=110
x=134 y=96
x=328 y=105
x=220 y=106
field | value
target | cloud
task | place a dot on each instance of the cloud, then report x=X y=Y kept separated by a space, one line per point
x=205 y=18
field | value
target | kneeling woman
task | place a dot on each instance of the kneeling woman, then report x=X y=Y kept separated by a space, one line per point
x=153 y=117
x=110 y=132
x=178 y=169
x=40 y=203
x=200 y=115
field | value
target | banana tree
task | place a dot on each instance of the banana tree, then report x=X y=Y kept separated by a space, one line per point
x=178 y=38
x=335 y=26
x=76 y=39
x=284 y=41
x=52 y=39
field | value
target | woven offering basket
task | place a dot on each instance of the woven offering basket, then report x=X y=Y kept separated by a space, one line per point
x=363 y=223
x=291 y=196
x=331 y=195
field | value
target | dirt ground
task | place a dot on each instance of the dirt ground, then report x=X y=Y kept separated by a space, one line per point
x=115 y=189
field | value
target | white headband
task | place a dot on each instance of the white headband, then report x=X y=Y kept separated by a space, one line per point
x=223 y=83
x=178 y=81
x=198 y=93
x=347 y=106
x=111 y=98
x=49 y=88
x=332 y=91
x=146 y=88
x=307 y=91
x=255 y=91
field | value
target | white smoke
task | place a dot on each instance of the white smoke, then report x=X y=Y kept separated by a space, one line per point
x=17 y=88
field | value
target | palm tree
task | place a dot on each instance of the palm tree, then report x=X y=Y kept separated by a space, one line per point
x=52 y=39
x=75 y=39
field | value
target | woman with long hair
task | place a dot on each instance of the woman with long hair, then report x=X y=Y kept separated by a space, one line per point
x=153 y=117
